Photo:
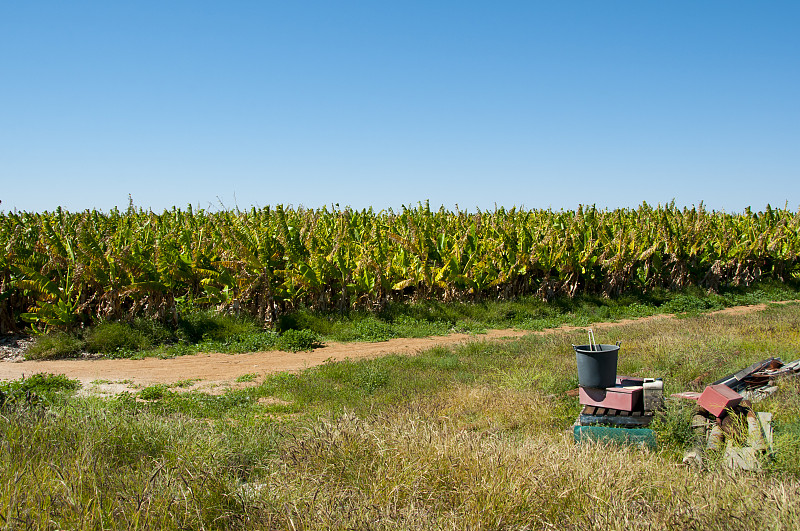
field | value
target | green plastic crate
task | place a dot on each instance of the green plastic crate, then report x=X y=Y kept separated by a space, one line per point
x=634 y=436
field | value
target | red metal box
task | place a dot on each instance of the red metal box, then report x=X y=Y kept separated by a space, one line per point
x=626 y=395
x=717 y=398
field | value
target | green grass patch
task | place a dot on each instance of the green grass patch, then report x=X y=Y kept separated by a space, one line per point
x=36 y=389
x=154 y=392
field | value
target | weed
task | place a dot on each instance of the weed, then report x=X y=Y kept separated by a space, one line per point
x=371 y=329
x=55 y=345
x=264 y=340
x=786 y=459
x=38 y=387
x=185 y=383
x=407 y=326
x=154 y=392
x=469 y=325
x=371 y=378
x=205 y=331
x=691 y=304
x=178 y=349
x=672 y=427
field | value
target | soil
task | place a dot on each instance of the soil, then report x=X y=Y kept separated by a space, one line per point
x=217 y=372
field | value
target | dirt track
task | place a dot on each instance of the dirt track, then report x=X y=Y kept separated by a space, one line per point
x=216 y=372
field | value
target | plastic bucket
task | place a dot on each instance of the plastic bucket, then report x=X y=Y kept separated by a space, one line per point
x=597 y=368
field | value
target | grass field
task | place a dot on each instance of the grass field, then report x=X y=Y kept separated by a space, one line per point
x=470 y=437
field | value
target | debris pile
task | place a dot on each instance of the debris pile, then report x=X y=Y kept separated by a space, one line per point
x=620 y=408
x=725 y=421
x=744 y=435
x=758 y=380
x=12 y=348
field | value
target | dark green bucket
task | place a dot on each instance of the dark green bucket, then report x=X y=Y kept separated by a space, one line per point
x=597 y=365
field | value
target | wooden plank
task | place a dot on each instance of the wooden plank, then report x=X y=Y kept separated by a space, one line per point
x=792 y=366
x=765 y=420
x=755 y=437
x=743 y=458
x=688 y=395
x=608 y=412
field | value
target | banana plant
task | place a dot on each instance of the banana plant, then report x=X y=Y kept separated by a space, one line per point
x=57 y=304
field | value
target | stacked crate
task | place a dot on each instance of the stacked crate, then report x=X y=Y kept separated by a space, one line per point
x=620 y=413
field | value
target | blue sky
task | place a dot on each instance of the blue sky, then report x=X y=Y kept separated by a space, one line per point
x=535 y=104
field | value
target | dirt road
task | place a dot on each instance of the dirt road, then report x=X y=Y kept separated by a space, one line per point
x=216 y=372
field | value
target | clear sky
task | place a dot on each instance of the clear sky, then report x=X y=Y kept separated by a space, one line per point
x=374 y=103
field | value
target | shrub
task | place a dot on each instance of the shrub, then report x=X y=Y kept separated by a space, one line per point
x=116 y=336
x=52 y=346
x=298 y=340
x=205 y=326
x=302 y=320
x=155 y=330
x=192 y=328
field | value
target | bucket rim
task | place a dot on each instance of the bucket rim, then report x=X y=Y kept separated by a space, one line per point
x=601 y=348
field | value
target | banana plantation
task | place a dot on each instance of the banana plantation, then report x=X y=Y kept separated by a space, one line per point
x=62 y=269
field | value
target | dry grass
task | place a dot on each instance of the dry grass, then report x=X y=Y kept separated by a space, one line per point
x=412 y=471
